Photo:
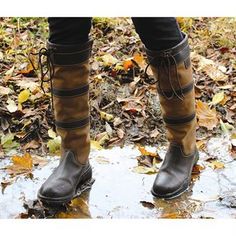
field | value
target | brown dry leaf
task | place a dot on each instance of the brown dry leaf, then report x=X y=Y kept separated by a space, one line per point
x=132 y=107
x=209 y=67
x=4 y=184
x=120 y=133
x=33 y=144
x=216 y=165
x=149 y=205
x=39 y=161
x=197 y=169
x=154 y=133
x=206 y=116
x=102 y=138
x=21 y=164
x=27 y=71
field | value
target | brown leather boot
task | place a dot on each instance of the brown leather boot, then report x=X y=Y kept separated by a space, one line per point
x=70 y=89
x=172 y=68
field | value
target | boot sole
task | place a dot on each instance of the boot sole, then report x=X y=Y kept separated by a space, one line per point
x=85 y=186
x=179 y=191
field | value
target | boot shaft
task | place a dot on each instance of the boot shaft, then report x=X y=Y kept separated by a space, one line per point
x=70 y=89
x=172 y=69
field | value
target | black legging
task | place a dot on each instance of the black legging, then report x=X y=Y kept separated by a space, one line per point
x=156 y=33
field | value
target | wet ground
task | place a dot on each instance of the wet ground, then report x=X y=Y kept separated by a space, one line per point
x=120 y=192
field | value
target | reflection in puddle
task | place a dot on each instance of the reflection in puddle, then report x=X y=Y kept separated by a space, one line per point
x=119 y=192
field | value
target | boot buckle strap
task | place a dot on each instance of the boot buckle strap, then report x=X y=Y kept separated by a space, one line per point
x=70 y=92
x=179 y=121
x=72 y=124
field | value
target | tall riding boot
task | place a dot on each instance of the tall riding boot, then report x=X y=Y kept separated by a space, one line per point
x=172 y=68
x=70 y=89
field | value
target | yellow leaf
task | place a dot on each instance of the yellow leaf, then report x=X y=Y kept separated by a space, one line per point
x=95 y=145
x=216 y=165
x=217 y=98
x=102 y=138
x=24 y=162
x=106 y=116
x=23 y=96
x=206 y=117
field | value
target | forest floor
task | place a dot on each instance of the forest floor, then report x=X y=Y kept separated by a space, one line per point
x=126 y=123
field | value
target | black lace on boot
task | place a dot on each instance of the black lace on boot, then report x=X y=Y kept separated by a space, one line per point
x=41 y=65
x=164 y=61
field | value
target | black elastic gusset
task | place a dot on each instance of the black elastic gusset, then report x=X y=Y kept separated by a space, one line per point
x=72 y=124
x=179 y=53
x=67 y=59
x=66 y=55
x=176 y=121
x=179 y=92
x=70 y=92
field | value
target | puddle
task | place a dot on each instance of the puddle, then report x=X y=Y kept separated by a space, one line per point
x=119 y=192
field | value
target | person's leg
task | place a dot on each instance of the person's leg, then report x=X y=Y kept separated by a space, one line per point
x=70 y=30
x=69 y=49
x=158 y=33
x=169 y=57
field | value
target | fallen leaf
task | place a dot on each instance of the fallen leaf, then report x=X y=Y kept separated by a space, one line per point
x=54 y=145
x=217 y=98
x=33 y=144
x=226 y=127
x=206 y=116
x=5 y=90
x=154 y=133
x=139 y=59
x=201 y=144
x=102 y=138
x=4 y=184
x=10 y=71
x=197 y=169
x=120 y=133
x=11 y=107
x=144 y=152
x=144 y=170
x=27 y=84
x=23 y=96
x=21 y=165
x=149 y=205
x=216 y=165
x=8 y=143
x=106 y=116
x=95 y=145
x=108 y=60
x=39 y=161
x=128 y=64
x=51 y=134
x=24 y=162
